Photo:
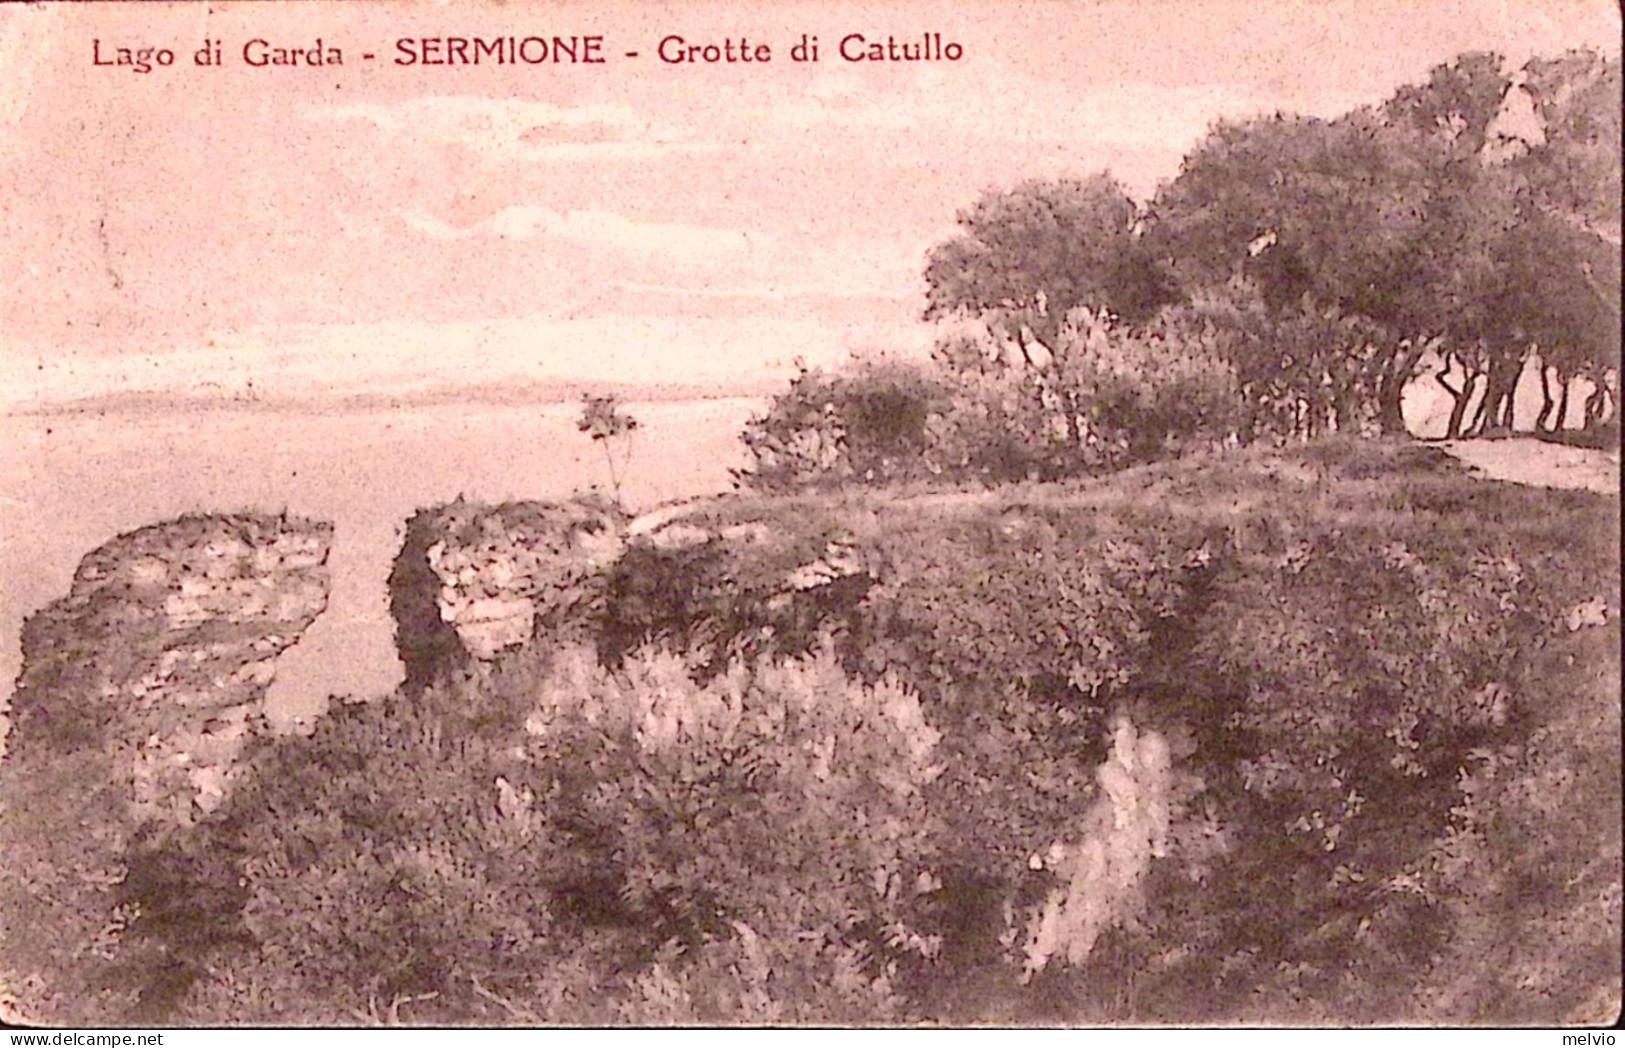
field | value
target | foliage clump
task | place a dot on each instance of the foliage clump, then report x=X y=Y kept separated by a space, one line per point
x=1105 y=397
x=576 y=844
x=871 y=424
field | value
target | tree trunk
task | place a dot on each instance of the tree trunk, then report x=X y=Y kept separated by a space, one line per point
x=1396 y=372
x=1596 y=407
x=1343 y=416
x=1458 y=410
x=1547 y=403
x=1476 y=426
x=1492 y=411
x=1460 y=398
x=1390 y=406
x=1496 y=413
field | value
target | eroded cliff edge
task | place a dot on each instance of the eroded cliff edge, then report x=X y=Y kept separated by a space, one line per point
x=163 y=648
x=717 y=575
x=140 y=694
x=473 y=579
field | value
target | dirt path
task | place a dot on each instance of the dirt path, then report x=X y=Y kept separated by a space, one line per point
x=1537 y=462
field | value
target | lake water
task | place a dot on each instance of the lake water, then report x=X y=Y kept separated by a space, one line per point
x=68 y=483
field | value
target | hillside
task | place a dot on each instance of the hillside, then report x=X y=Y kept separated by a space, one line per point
x=1327 y=734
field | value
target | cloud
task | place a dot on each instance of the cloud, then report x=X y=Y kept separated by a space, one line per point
x=679 y=241
x=844 y=268
x=509 y=129
x=1122 y=113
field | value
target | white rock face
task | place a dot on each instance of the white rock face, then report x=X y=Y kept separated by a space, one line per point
x=490 y=624
x=499 y=568
x=1125 y=827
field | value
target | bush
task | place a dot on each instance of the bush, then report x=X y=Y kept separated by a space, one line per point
x=1299 y=371
x=1104 y=398
x=380 y=875
x=64 y=828
x=1359 y=674
x=1322 y=638
x=528 y=840
x=1152 y=393
x=869 y=424
x=1529 y=862
x=1027 y=629
x=777 y=806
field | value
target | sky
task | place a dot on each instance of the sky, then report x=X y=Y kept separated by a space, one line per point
x=371 y=227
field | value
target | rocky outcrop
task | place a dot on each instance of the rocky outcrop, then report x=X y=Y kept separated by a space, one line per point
x=161 y=652
x=718 y=579
x=472 y=580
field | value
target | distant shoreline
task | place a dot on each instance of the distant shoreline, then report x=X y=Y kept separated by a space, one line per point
x=486 y=394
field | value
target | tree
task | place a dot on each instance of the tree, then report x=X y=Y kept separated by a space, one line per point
x=1455 y=107
x=1574 y=166
x=1318 y=215
x=1027 y=257
x=1571 y=169
x=1386 y=214
x=1561 y=294
x=603 y=421
x=1463 y=279
x=1518 y=258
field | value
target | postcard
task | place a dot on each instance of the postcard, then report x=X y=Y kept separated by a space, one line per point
x=860 y=515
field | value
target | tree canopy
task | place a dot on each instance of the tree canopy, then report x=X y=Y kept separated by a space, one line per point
x=1027 y=257
x=1471 y=219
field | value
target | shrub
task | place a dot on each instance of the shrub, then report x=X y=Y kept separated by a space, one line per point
x=748 y=979
x=64 y=827
x=867 y=424
x=379 y=871
x=1299 y=371
x=1363 y=673
x=1528 y=865
x=1025 y=628
x=456 y=855
x=1105 y=397
x=782 y=804
x=1142 y=394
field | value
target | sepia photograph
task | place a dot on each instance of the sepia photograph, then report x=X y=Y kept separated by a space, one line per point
x=902 y=514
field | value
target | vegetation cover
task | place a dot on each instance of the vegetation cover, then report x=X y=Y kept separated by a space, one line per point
x=1260 y=735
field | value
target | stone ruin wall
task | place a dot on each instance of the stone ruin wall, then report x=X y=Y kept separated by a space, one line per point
x=473 y=580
